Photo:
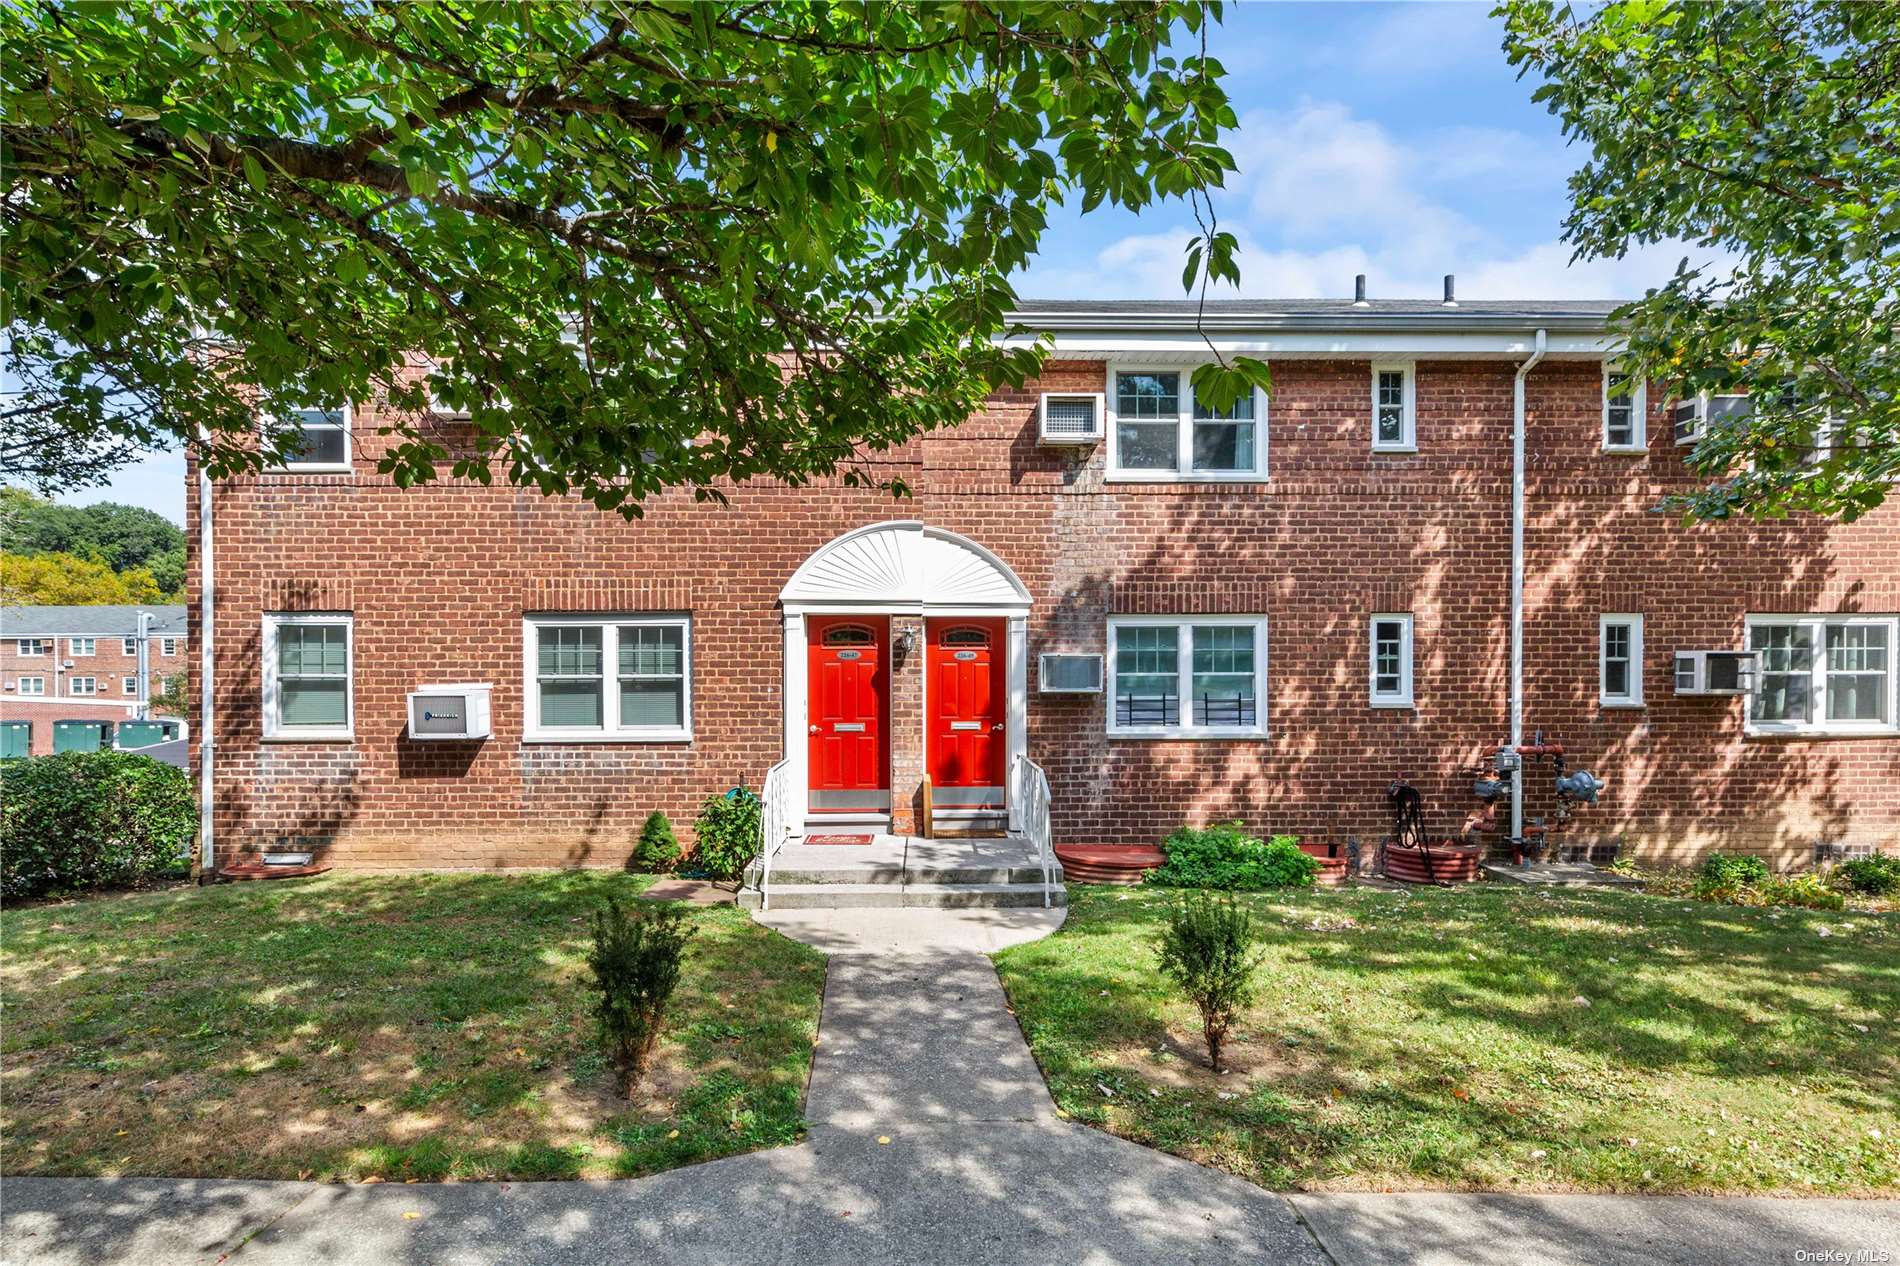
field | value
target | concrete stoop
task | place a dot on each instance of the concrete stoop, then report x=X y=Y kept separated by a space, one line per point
x=898 y=872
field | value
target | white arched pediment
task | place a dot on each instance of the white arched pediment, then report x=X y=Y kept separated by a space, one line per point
x=905 y=565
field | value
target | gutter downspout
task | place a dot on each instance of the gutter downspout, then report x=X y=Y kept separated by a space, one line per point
x=206 y=857
x=1517 y=580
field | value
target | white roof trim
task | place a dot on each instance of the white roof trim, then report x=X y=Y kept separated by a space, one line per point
x=1189 y=348
x=904 y=566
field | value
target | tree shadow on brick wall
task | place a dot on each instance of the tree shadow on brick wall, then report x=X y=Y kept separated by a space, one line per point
x=1680 y=778
x=299 y=796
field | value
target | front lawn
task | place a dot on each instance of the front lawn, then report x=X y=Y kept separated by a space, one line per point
x=417 y=1026
x=1492 y=1038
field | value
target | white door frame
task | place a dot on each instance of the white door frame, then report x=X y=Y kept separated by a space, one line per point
x=900 y=568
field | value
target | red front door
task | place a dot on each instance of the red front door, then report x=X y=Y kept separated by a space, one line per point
x=967 y=706
x=849 y=769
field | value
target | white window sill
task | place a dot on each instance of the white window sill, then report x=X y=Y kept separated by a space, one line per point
x=1398 y=449
x=1176 y=477
x=1621 y=705
x=1175 y=732
x=1392 y=705
x=1819 y=732
x=312 y=736
x=342 y=468
x=1627 y=450
x=598 y=736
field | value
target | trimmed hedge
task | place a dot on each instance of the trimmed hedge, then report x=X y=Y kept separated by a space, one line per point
x=80 y=820
x=1224 y=856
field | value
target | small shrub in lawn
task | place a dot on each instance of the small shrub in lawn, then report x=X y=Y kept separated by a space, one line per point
x=1209 y=949
x=1798 y=890
x=79 y=820
x=726 y=834
x=658 y=848
x=636 y=962
x=1725 y=878
x=1224 y=856
x=1877 y=876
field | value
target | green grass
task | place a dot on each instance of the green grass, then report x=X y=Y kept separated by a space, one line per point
x=417 y=1026
x=1434 y=1039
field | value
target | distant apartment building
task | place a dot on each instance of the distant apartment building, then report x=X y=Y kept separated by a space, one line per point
x=82 y=664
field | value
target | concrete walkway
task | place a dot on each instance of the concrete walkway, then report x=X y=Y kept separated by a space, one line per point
x=933 y=1140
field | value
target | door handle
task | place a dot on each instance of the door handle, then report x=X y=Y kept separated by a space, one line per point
x=998 y=727
x=814 y=729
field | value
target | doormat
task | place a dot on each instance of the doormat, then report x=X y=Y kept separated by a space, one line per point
x=836 y=839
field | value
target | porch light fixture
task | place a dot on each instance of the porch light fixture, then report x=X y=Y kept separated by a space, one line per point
x=905 y=644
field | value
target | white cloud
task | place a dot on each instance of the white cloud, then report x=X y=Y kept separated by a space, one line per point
x=1323 y=195
x=1409 y=42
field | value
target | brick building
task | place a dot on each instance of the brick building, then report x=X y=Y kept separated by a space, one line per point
x=1266 y=615
x=82 y=663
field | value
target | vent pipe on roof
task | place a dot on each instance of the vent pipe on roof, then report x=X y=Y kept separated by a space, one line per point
x=1451 y=290
x=1359 y=292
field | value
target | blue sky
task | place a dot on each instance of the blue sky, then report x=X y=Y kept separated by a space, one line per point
x=1385 y=139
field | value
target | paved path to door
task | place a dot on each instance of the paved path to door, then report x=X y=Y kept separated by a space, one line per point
x=933 y=1140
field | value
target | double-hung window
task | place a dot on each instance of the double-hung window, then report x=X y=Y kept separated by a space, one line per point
x=1390 y=665
x=1187 y=677
x=81 y=646
x=168 y=646
x=36 y=645
x=320 y=439
x=130 y=684
x=32 y=685
x=131 y=646
x=621 y=678
x=1394 y=421
x=309 y=659
x=1823 y=674
x=1159 y=430
x=80 y=686
x=1625 y=427
x=1620 y=661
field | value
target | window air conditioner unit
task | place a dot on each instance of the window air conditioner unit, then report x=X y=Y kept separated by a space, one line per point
x=449 y=712
x=1692 y=416
x=1714 y=672
x=1072 y=418
x=1069 y=674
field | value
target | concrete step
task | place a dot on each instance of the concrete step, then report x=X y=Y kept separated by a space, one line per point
x=891 y=896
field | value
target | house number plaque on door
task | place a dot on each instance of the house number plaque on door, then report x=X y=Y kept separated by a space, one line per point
x=966 y=655
x=850 y=655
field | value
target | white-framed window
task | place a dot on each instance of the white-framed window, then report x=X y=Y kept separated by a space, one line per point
x=1625 y=421
x=1389 y=660
x=1187 y=676
x=1620 y=661
x=130 y=684
x=609 y=678
x=32 y=685
x=309 y=675
x=323 y=440
x=1823 y=674
x=1158 y=431
x=80 y=686
x=35 y=645
x=167 y=646
x=78 y=646
x=1394 y=409
x=130 y=646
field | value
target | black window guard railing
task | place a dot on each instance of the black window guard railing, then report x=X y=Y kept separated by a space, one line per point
x=1144 y=710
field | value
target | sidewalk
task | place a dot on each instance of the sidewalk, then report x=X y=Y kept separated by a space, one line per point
x=933 y=1142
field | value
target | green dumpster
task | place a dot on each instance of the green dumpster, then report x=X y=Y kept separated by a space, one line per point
x=135 y=734
x=81 y=736
x=16 y=738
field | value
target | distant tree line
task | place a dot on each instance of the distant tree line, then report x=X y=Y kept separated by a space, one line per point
x=87 y=555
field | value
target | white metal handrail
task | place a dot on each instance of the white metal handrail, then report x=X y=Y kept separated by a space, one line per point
x=774 y=825
x=1030 y=790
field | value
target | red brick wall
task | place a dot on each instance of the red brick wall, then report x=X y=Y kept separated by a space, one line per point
x=439 y=578
x=109 y=665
